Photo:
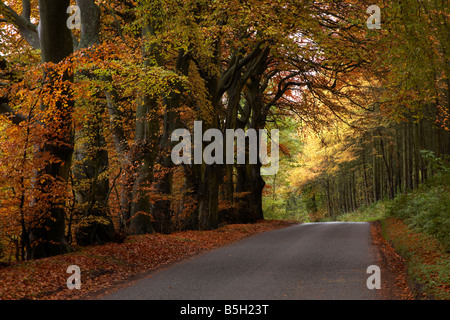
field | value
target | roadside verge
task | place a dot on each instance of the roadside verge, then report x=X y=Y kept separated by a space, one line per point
x=417 y=263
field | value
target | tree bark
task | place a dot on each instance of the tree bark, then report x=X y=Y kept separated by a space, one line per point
x=47 y=235
x=162 y=212
x=92 y=161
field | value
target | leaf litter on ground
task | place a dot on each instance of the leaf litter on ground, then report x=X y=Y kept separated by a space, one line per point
x=105 y=266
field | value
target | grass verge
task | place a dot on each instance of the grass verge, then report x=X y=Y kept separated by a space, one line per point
x=417 y=225
x=427 y=261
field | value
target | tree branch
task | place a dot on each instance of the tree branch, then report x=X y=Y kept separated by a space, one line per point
x=13 y=115
x=26 y=9
x=27 y=30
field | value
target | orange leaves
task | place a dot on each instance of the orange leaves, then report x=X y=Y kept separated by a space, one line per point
x=284 y=149
x=425 y=258
x=103 y=266
x=393 y=267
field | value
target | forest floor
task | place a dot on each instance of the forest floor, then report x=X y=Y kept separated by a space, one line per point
x=104 y=266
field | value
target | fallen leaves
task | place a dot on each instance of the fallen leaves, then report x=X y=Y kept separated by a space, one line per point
x=104 y=266
x=395 y=285
x=422 y=269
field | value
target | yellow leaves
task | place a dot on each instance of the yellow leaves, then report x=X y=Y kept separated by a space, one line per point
x=324 y=152
x=87 y=221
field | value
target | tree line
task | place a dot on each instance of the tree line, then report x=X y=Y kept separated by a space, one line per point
x=87 y=114
x=393 y=144
x=386 y=159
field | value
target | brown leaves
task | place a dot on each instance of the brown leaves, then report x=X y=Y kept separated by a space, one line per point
x=104 y=266
x=419 y=270
x=393 y=267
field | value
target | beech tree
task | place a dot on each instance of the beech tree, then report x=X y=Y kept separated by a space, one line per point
x=47 y=236
x=91 y=111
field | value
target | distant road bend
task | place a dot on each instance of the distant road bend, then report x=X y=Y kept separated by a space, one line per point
x=305 y=261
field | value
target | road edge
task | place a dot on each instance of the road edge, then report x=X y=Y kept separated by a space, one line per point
x=395 y=281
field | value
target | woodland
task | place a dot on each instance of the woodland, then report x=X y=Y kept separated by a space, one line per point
x=91 y=91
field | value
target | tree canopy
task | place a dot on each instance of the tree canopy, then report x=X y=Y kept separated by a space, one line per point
x=87 y=111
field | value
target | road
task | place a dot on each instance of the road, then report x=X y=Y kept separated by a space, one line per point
x=306 y=261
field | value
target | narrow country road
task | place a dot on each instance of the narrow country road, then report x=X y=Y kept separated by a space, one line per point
x=306 y=261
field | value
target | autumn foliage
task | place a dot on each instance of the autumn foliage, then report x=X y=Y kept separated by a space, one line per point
x=86 y=115
x=106 y=267
x=425 y=257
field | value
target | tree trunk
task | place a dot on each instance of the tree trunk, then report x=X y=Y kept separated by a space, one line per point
x=47 y=235
x=162 y=212
x=144 y=157
x=189 y=207
x=376 y=172
x=389 y=181
x=367 y=195
x=208 y=212
x=91 y=186
x=329 y=205
x=123 y=154
x=92 y=162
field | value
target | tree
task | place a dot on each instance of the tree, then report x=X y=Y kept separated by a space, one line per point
x=91 y=165
x=47 y=236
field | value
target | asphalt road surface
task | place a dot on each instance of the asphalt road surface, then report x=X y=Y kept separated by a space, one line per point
x=306 y=261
